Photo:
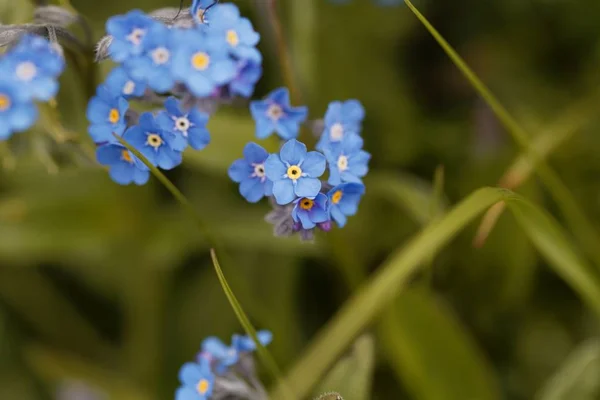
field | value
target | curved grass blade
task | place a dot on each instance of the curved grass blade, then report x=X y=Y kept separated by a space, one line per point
x=382 y=288
x=583 y=230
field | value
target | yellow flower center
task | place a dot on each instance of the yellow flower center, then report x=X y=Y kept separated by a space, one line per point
x=4 y=102
x=274 y=112
x=306 y=204
x=200 y=61
x=203 y=386
x=125 y=156
x=294 y=172
x=337 y=197
x=113 y=116
x=154 y=140
x=232 y=38
x=342 y=163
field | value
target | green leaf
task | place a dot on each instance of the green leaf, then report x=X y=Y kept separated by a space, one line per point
x=432 y=352
x=577 y=378
x=352 y=375
x=383 y=287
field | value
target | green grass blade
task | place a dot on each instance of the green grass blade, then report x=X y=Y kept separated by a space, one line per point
x=382 y=288
x=586 y=234
x=263 y=353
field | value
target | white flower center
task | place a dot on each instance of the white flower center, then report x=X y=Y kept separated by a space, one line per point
x=336 y=132
x=136 y=36
x=182 y=124
x=342 y=163
x=128 y=88
x=26 y=71
x=259 y=171
x=161 y=56
x=274 y=112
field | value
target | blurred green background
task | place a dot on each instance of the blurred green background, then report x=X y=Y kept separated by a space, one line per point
x=112 y=288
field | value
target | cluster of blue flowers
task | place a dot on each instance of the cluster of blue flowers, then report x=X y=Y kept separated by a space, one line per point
x=221 y=370
x=28 y=73
x=292 y=176
x=211 y=55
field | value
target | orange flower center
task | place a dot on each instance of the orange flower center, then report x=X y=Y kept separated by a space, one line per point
x=113 y=116
x=4 y=102
x=200 y=61
x=306 y=204
x=126 y=156
x=203 y=386
x=337 y=197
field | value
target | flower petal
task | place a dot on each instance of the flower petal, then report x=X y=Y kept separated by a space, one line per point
x=293 y=152
x=283 y=190
x=307 y=187
x=274 y=168
x=253 y=153
x=314 y=164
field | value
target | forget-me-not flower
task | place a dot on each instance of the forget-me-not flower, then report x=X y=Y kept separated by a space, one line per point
x=197 y=381
x=245 y=80
x=15 y=115
x=220 y=356
x=295 y=172
x=106 y=113
x=125 y=167
x=343 y=201
x=341 y=118
x=155 y=143
x=189 y=126
x=245 y=344
x=153 y=66
x=347 y=161
x=275 y=114
x=238 y=33
x=310 y=212
x=249 y=172
x=129 y=34
x=120 y=82
x=202 y=62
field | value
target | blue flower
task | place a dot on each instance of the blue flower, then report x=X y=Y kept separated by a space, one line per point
x=343 y=201
x=129 y=34
x=106 y=113
x=155 y=143
x=188 y=126
x=219 y=354
x=125 y=167
x=245 y=344
x=240 y=37
x=341 y=119
x=294 y=172
x=197 y=381
x=347 y=162
x=311 y=211
x=198 y=9
x=201 y=62
x=250 y=173
x=244 y=82
x=34 y=65
x=15 y=115
x=121 y=83
x=275 y=114
x=153 y=66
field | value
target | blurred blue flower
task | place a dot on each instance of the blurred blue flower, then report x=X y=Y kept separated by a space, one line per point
x=106 y=113
x=153 y=66
x=341 y=118
x=274 y=114
x=310 y=212
x=249 y=172
x=189 y=126
x=245 y=344
x=245 y=80
x=155 y=143
x=220 y=356
x=199 y=7
x=125 y=167
x=15 y=115
x=35 y=66
x=237 y=32
x=201 y=62
x=197 y=381
x=129 y=34
x=343 y=201
x=294 y=172
x=347 y=161
x=120 y=82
